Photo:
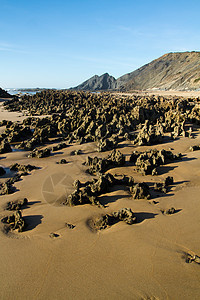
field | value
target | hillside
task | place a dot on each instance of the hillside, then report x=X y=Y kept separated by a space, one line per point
x=4 y=94
x=176 y=71
x=96 y=83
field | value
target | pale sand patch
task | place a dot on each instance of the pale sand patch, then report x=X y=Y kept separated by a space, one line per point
x=124 y=262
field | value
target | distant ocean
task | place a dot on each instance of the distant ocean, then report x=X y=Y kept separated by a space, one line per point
x=20 y=91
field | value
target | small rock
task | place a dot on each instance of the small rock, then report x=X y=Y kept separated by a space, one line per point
x=53 y=235
x=62 y=161
x=70 y=226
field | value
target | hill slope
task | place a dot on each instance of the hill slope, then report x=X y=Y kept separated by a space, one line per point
x=176 y=71
x=4 y=94
x=96 y=83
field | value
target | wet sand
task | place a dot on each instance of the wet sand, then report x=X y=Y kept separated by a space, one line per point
x=145 y=260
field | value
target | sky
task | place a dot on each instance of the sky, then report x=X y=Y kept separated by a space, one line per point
x=60 y=44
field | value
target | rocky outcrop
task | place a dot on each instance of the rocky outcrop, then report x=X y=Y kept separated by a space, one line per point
x=162 y=186
x=100 y=165
x=17 y=205
x=147 y=162
x=125 y=214
x=5 y=147
x=22 y=168
x=14 y=221
x=149 y=134
x=140 y=191
x=169 y=211
x=98 y=83
x=40 y=153
x=88 y=192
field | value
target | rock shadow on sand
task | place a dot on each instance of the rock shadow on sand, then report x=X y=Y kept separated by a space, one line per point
x=142 y=216
x=105 y=200
x=165 y=169
x=30 y=203
x=32 y=221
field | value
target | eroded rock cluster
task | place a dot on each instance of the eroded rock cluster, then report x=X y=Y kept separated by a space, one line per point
x=148 y=161
x=104 y=118
x=17 y=205
x=89 y=191
x=14 y=221
x=100 y=165
x=125 y=214
x=6 y=187
x=22 y=168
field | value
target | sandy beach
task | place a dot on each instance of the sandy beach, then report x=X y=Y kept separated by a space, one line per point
x=146 y=260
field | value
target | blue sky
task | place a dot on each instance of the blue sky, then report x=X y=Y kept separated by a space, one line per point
x=62 y=43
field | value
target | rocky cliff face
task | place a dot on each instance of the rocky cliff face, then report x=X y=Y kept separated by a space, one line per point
x=176 y=71
x=97 y=83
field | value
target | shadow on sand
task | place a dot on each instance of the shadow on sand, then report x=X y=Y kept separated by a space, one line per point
x=32 y=221
x=141 y=216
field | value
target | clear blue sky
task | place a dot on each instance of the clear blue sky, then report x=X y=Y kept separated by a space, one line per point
x=61 y=43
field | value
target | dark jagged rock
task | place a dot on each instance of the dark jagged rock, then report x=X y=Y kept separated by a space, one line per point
x=70 y=226
x=140 y=191
x=194 y=148
x=5 y=147
x=125 y=214
x=88 y=192
x=62 y=162
x=53 y=235
x=6 y=188
x=107 y=144
x=29 y=144
x=76 y=152
x=96 y=165
x=16 y=133
x=169 y=181
x=148 y=161
x=116 y=158
x=14 y=221
x=84 y=196
x=77 y=184
x=104 y=118
x=99 y=165
x=122 y=180
x=2 y=171
x=134 y=156
x=16 y=205
x=160 y=187
x=150 y=134
x=40 y=153
x=104 y=222
x=191 y=257
x=60 y=146
x=22 y=168
x=5 y=123
x=169 y=211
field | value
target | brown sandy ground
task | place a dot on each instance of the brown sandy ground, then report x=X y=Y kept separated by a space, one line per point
x=145 y=260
